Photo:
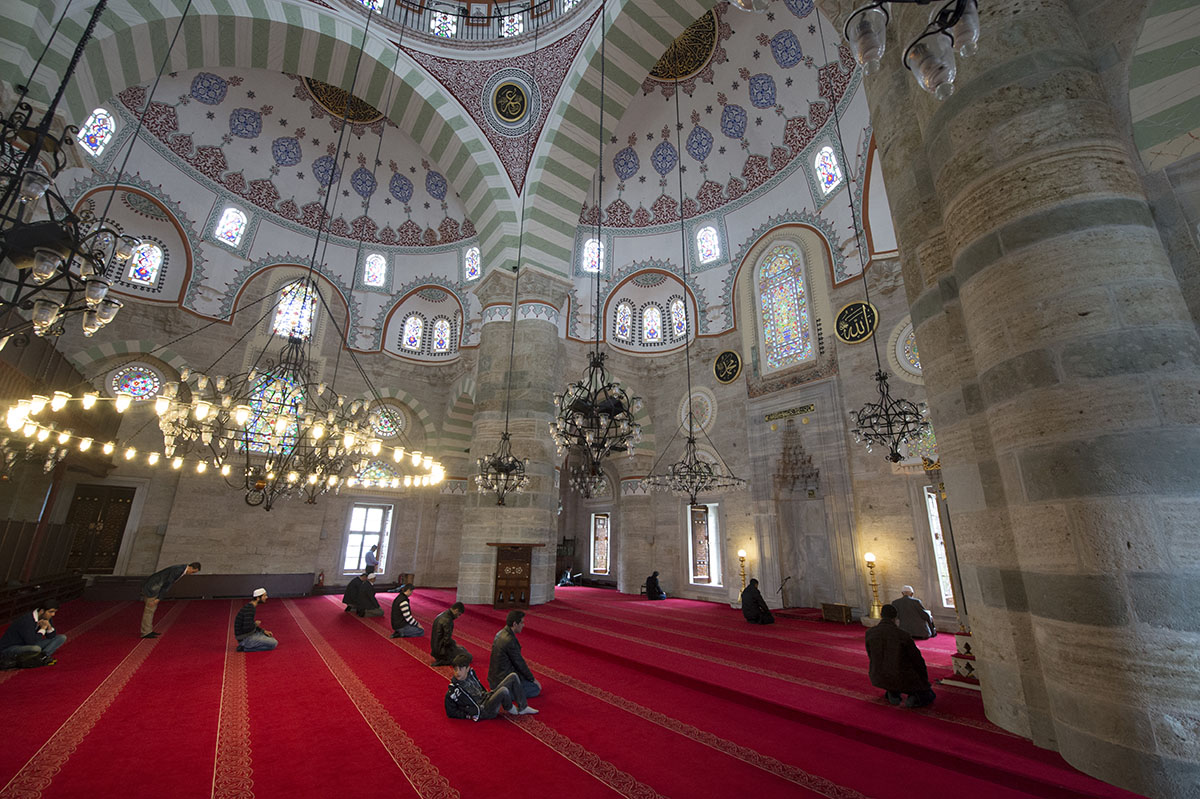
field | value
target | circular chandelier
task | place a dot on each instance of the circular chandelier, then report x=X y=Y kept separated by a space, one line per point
x=594 y=417
x=888 y=422
x=501 y=472
x=692 y=476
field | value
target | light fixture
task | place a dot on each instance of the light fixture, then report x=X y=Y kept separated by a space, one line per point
x=875 y=606
x=742 y=563
x=954 y=25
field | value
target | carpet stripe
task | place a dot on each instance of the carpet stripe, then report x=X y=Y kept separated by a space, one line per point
x=36 y=775
x=408 y=757
x=76 y=631
x=233 y=764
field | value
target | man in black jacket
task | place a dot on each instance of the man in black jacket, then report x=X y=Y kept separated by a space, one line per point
x=896 y=664
x=506 y=656
x=653 y=589
x=360 y=595
x=248 y=631
x=754 y=607
x=404 y=625
x=156 y=587
x=441 y=640
x=466 y=698
x=32 y=634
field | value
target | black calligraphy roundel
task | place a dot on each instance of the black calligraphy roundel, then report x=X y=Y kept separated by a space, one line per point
x=856 y=322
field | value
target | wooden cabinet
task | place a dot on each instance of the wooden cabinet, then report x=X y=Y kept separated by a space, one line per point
x=514 y=575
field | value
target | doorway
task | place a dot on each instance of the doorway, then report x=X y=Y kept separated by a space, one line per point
x=96 y=523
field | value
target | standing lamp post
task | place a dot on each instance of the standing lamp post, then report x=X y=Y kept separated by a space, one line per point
x=742 y=561
x=875 y=606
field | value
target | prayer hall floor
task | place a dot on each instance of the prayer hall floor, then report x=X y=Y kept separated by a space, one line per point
x=640 y=699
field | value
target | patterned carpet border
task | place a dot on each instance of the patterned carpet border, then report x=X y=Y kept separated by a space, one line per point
x=76 y=631
x=233 y=763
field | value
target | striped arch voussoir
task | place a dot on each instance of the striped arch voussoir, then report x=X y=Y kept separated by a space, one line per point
x=422 y=414
x=115 y=353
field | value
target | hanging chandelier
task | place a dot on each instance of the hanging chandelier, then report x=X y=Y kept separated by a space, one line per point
x=889 y=422
x=930 y=57
x=54 y=263
x=501 y=472
x=588 y=484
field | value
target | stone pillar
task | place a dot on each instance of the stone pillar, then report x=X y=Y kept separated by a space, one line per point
x=1061 y=365
x=635 y=525
x=528 y=517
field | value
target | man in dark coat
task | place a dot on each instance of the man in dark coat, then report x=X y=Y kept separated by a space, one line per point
x=442 y=645
x=32 y=634
x=653 y=589
x=507 y=658
x=912 y=617
x=360 y=595
x=754 y=607
x=156 y=587
x=896 y=664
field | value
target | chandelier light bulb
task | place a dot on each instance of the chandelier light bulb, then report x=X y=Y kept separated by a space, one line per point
x=161 y=405
x=201 y=467
x=45 y=266
x=85 y=444
x=42 y=434
x=427 y=461
x=348 y=440
x=332 y=481
x=130 y=453
x=312 y=479
x=966 y=30
x=931 y=59
x=866 y=30
x=352 y=481
x=177 y=463
x=34 y=185
x=106 y=311
x=241 y=415
x=281 y=425
x=37 y=403
x=94 y=290
x=89 y=400
x=152 y=458
x=416 y=457
x=59 y=400
x=201 y=410
x=318 y=431
x=225 y=470
x=374 y=446
x=123 y=402
x=64 y=437
x=108 y=448
x=29 y=429
x=202 y=381
x=123 y=249
x=408 y=481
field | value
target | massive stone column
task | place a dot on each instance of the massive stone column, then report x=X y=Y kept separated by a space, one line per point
x=1062 y=368
x=528 y=517
x=635 y=524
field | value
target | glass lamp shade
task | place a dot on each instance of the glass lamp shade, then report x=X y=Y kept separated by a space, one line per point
x=753 y=6
x=94 y=290
x=33 y=185
x=123 y=250
x=106 y=311
x=45 y=312
x=931 y=59
x=966 y=30
x=866 y=30
x=45 y=266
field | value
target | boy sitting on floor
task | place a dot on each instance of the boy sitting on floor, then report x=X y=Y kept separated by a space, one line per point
x=466 y=699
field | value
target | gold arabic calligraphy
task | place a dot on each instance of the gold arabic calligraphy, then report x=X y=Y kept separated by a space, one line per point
x=856 y=322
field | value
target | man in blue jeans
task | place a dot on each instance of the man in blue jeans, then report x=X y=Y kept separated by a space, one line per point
x=248 y=631
x=32 y=634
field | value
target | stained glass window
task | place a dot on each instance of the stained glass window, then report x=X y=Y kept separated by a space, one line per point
x=829 y=172
x=939 y=546
x=374 y=5
x=138 y=381
x=783 y=301
x=708 y=245
x=471 y=263
x=413 y=327
x=651 y=325
x=144 y=265
x=375 y=270
x=273 y=399
x=593 y=256
x=512 y=25
x=569 y=4
x=231 y=227
x=444 y=25
x=296 y=310
x=911 y=354
x=96 y=132
x=441 y=335
x=624 y=321
x=387 y=423
x=600 y=543
x=678 y=319
x=377 y=473
x=700 y=549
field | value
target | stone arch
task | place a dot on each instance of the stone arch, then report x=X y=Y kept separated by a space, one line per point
x=420 y=412
x=112 y=354
x=460 y=411
x=284 y=37
x=1163 y=92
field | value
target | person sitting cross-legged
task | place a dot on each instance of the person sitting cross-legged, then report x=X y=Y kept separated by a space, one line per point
x=404 y=624
x=896 y=664
x=248 y=631
x=467 y=699
x=754 y=607
x=31 y=636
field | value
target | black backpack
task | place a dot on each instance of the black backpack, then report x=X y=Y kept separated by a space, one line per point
x=26 y=660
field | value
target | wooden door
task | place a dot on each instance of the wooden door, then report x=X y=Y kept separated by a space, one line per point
x=514 y=573
x=96 y=524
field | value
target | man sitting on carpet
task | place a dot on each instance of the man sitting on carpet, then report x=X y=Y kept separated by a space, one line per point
x=896 y=664
x=30 y=639
x=506 y=656
x=248 y=631
x=754 y=607
x=442 y=645
x=914 y=619
x=466 y=699
x=156 y=587
x=404 y=625
x=653 y=589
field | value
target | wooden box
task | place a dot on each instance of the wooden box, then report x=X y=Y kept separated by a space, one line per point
x=832 y=611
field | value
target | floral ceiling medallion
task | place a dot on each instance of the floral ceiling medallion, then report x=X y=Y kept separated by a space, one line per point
x=334 y=101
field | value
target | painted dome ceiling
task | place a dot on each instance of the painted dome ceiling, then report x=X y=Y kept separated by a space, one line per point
x=271 y=140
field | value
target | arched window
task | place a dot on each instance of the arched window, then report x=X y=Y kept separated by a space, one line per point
x=296 y=311
x=144 y=265
x=441 y=335
x=386 y=422
x=624 y=326
x=651 y=325
x=413 y=328
x=708 y=244
x=593 y=256
x=512 y=25
x=231 y=227
x=137 y=380
x=97 y=131
x=471 y=263
x=374 y=5
x=379 y=474
x=375 y=270
x=829 y=172
x=443 y=25
x=273 y=424
x=678 y=318
x=783 y=301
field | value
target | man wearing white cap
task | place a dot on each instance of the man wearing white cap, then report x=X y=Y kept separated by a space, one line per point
x=248 y=631
x=914 y=619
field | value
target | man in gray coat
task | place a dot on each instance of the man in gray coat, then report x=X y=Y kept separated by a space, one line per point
x=506 y=655
x=914 y=618
x=156 y=587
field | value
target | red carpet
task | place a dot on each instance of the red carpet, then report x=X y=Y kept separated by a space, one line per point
x=673 y=699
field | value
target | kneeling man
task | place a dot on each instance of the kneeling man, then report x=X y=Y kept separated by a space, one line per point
x=896 y=664
x=248 y=631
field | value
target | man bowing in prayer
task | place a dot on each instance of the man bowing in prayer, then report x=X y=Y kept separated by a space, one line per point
x=156 y=587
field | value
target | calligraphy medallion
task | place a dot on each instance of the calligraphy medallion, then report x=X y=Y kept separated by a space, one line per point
x=856 y=322
x=727 y=366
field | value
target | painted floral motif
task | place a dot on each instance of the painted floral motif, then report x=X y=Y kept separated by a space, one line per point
x=96 y=132
x=325 y=170
x=624 y=320
x=295 y=311
x=435 y=184
x=208 y=88
x=441 y=335
x=829 y=172
x=375 y=270
x=144 y=265
x=136 y=380
x=651 y=325
x=363 y=182
x=230 y=228
x=678 y=319
x=708 y=244
x=762 y=90
x=785 y=47
x=699 y=143
x=664 y=158
x=593 y=256
x=471 y=263
x=626 y=163
x=733 y=121
x=411 y=340
x=401 y=188
x=443 y=25
x=286 y=151
x=784 y=304
x=245 y=123
x=801 y=8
